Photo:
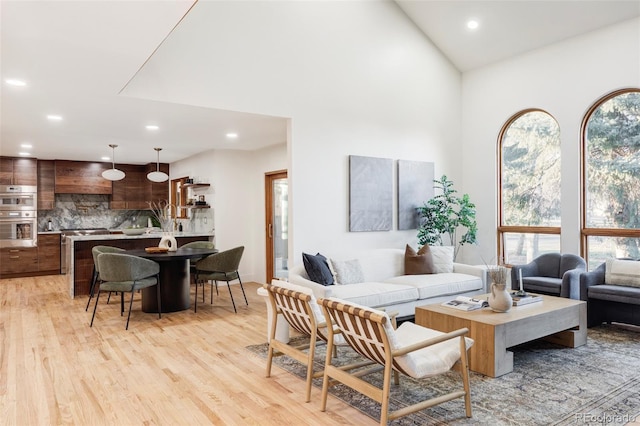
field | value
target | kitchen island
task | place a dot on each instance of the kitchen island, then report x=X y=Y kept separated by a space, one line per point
x=80 y=259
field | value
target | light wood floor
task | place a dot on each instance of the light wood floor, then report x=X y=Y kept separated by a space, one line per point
x=185 y=368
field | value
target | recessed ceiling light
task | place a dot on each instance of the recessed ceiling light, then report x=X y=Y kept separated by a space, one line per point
x=473 y=24
x=105 y=158
x=151 y=127
x=15 y=82
x=232 y=135
x=24 y=154
x=53 y=117
x=26 y=145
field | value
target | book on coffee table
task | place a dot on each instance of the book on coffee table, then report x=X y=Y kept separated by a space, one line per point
x=464 y=303
x=525 y=300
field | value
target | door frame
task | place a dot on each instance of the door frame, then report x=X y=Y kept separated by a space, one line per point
x=269 y=177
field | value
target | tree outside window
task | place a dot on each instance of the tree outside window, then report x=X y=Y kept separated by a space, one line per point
x=529 y=187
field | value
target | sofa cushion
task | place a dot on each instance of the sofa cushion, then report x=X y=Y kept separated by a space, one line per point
x=543 y=284
x=317 y=268
x=622 y=272
x=374 y=294
x=418 y=263
x=433 y=285
x=347 y=271
x=442 y=258
x=615 y=293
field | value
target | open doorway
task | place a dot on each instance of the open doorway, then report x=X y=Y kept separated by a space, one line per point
x=277 y=219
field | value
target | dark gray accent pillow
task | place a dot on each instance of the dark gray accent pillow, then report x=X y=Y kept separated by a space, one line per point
x=317 y=268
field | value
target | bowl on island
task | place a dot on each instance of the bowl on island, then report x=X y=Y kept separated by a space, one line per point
x=134 y=231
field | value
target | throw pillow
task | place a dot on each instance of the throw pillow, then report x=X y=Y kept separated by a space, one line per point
x=317 y=268
x=622 y=272
x=418 y=263
x=348 y=271
x=442 y=258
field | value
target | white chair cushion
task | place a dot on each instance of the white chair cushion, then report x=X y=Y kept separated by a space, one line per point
x=375 y=294
x=429 y=361
x=442 y=258
x=622 y=272
x=433 y=285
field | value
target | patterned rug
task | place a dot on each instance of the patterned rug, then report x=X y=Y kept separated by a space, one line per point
x=595 y=384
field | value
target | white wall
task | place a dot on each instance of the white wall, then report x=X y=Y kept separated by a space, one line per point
x=356 y=78
x=237 y=198
x=565 y=80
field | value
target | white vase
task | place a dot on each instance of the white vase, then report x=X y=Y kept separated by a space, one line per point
x=168 y=241
x=500 y=300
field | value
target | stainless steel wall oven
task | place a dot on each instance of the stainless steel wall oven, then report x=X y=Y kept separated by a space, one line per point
x=18 y=216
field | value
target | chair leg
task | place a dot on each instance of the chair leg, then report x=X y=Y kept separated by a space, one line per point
x=95 y=308
x=232 y=301
x=195 y=300
x=243 y=293
x=122 y=302
x=211 y=301
x=130 y=305
x=94 y=279
x=159 y=298
x=464 y=370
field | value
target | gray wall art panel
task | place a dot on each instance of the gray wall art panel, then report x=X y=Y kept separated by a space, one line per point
x=415 y=187
x=370 y=193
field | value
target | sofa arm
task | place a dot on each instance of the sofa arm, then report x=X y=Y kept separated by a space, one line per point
x=587 y=279
x=319 y=290
x=478 y=271
x=570 y=287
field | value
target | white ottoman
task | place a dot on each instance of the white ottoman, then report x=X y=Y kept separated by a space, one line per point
x=282 y=326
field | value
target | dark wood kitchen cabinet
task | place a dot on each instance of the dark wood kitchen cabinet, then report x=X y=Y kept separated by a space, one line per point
x=46 y=184
x=81 y=177
x=135 y=191
x=18 y=262
x=49 y=254
x=129 y=193
x=18 y=171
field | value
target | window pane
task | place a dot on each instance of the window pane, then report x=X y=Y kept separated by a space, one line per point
x=531 y=171
x=523 y=248
x=613 y=163
x=603 y=248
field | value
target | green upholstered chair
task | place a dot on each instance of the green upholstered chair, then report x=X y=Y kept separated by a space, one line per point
x=95 y=276
x=192 y=262
x=222 y=266
x=126 y=273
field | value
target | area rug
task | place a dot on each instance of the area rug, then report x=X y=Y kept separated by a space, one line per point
x=595 y=384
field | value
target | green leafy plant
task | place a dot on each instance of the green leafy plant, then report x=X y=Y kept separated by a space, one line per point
x=444 y=215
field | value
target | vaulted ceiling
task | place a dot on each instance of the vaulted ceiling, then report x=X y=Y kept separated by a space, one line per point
x=76 y=57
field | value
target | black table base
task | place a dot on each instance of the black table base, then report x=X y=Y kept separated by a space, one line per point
x=176 y=295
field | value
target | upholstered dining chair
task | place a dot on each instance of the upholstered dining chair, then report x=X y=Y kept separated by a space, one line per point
x=412 y=350
x=221 y=266
x=95 y=276
x=126 y=273
x=192 y=262
x=298 y=306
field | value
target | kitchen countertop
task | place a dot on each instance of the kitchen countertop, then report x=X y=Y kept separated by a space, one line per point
x=49 y=232
x=136 y=237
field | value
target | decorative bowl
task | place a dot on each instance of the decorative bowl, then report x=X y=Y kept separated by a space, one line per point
x=134 y=231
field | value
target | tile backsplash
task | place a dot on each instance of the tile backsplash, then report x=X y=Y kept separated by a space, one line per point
x=88 y=211
x=83 y=211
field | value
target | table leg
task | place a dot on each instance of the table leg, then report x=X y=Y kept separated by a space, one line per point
x=175 y=288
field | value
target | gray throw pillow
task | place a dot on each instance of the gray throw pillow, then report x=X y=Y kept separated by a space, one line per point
x=317 y=268
x=348 y=271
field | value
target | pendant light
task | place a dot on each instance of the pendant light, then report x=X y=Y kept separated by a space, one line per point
x=158 y=176
x=113 y=173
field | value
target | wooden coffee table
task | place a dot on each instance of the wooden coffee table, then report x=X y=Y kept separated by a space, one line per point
x=559 y=320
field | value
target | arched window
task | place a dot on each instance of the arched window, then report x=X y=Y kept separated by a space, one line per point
x=611 y=178
x=528 y=187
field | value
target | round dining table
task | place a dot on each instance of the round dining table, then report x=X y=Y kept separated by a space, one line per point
x=175 y=281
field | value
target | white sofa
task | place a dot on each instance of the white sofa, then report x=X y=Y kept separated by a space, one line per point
x=386 y=286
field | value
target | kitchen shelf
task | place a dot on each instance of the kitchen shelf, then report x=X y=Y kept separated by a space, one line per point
x=195 y=207
x=196 y=185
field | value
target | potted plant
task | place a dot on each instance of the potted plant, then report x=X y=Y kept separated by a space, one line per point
x=445 y=215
